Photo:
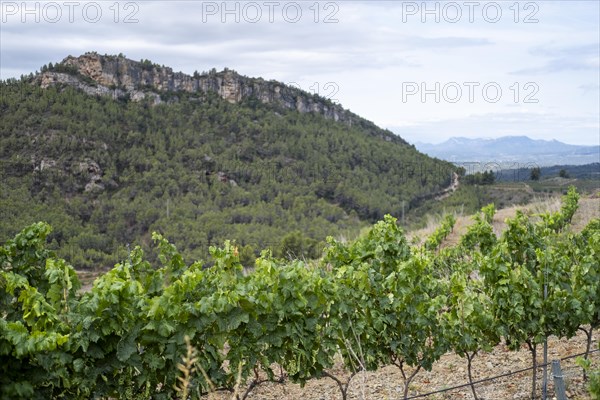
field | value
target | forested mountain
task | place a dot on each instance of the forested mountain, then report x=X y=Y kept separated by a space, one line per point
x=108 y=150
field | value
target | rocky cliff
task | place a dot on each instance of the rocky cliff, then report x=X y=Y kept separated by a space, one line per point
x=118 y=76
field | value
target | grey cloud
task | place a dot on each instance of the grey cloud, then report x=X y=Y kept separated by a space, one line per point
x=589 y=87
x=572 y=58
x=564 y=51
x=447 y=42
x=169 y=33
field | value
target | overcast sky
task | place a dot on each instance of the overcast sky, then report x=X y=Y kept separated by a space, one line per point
x=427 y=71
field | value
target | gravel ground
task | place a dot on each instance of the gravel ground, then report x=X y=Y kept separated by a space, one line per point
x=449 y=371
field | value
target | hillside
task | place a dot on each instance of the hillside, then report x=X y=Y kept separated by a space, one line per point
x=107 y=150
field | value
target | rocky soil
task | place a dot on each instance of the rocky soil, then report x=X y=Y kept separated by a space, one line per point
x=449 y=371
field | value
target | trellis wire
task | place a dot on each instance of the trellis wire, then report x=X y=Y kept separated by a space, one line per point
x=495 y=377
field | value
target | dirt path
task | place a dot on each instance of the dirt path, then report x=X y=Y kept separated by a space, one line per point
x=450 y=189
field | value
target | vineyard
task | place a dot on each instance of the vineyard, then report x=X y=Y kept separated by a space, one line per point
x=178 y=330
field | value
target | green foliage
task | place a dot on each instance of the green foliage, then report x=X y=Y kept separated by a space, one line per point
x=36 y=293
x=480 y=178
x=593 y=377
x=527 y=277
x=581 y=253
x=480 y=234
x=105 y=173
x=558 y=220
x=469 y=323
x=399 y=302
x=295 y=245
x=361 y=270
x=376 y=301
x=434 y=241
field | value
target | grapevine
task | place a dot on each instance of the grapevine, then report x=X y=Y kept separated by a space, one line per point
x=377 y=301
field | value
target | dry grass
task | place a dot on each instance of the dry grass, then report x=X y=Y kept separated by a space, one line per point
x=433 y=222
x=189 y=366
x=589 y=208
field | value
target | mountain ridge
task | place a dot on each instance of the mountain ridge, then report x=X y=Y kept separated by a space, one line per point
x=121 y=77
x=511 y=149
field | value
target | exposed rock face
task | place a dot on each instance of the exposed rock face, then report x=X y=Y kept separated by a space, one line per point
x=88 y=175
x=45 y=163
x=118 y=77
x=53 y=78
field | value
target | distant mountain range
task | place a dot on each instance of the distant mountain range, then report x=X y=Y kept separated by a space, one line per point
x=511 y=149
